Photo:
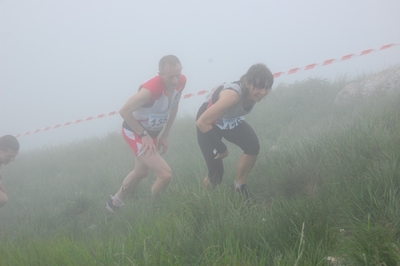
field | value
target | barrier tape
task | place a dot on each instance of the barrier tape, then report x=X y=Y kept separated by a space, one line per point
x=67 y=124
x=331 y=61
x=199 y=93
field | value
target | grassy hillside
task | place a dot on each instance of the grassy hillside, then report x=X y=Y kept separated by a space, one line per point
x=328 y=191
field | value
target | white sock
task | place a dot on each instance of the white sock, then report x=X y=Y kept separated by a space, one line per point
x=238 y=185
x=117 y=201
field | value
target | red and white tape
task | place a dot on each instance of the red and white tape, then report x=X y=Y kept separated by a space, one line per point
x=199 y=93
x=67 y=124
x=331 y=61
x=311 y=66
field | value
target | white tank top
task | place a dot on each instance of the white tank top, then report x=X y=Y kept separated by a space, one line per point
x=234 y=115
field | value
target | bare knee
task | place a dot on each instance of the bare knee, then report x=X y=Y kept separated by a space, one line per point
x=3 y=199
x=166 y=175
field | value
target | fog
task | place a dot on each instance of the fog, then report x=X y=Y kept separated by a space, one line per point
x=65 y=60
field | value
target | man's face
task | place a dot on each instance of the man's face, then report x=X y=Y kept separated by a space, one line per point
x=7 y=156
x=171 y=75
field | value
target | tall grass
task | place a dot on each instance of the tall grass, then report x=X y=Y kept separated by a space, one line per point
x=328 y=191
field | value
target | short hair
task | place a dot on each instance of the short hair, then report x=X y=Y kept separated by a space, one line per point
x=258 y=75
x=171 y=60
x=9 y=142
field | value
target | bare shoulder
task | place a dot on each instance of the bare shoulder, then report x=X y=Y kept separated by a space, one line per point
x=139 y=98
x=229 y=95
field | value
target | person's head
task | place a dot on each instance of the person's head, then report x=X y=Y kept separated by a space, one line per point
x=9 y=147
x=170 y=69
x=258 y=80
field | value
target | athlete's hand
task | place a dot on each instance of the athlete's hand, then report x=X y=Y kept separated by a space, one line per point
x=222 y=155
x=148 y=146
x=163 y=144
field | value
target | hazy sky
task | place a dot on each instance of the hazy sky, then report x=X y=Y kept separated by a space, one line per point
x=65 y=60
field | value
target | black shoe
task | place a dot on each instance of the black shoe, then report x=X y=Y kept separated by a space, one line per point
x=111 y=207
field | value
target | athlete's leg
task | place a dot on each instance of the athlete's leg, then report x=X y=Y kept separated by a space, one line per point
x=132 y=179
x=215 y=166
x=161 y=170
x=244 y=137
x=139 y=172
x=245 y=164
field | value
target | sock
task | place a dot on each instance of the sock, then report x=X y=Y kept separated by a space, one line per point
x=238 y=185
x=117 y=201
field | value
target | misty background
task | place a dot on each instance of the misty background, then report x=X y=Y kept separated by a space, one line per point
x=65 y=60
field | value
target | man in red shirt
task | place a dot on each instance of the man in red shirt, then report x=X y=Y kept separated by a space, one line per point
x=148 y=117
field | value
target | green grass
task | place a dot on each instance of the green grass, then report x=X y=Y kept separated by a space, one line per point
x=331 y=189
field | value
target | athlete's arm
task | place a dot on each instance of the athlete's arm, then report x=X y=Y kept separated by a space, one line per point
x=163 y=141
x=134 y=103
x=171 y=120
x=227 y=99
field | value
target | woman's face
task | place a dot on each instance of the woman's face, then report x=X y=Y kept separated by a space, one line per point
x=256 y=93
x=7 y=156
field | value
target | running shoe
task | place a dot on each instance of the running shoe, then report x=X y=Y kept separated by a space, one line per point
x=111 y=207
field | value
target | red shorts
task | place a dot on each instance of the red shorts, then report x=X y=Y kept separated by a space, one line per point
x=134 y=140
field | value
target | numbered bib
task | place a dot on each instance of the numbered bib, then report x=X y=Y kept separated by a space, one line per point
x=156 y=122
x=229 y=123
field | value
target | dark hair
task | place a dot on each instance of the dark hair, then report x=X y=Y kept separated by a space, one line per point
x=171 y=60
x=8 y=142
x=259 y=75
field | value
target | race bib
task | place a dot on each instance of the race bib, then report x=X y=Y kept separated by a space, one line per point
x=156 y=122
x=229 y=123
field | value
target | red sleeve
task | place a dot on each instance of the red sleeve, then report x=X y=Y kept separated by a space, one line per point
x=155 y=86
